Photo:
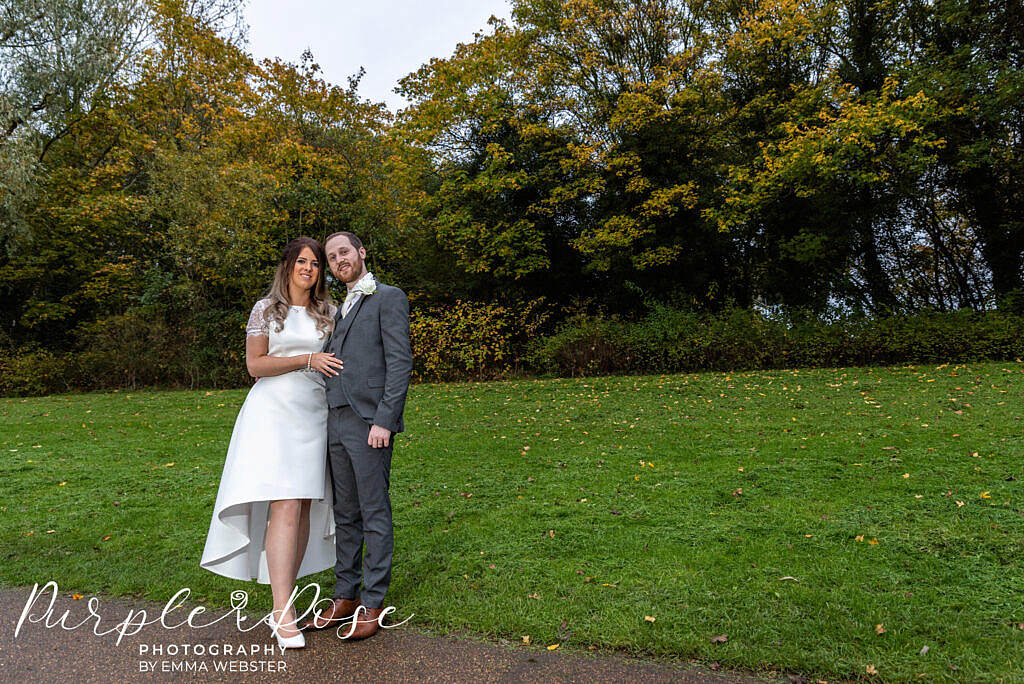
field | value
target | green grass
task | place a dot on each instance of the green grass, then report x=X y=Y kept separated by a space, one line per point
x=520 y=506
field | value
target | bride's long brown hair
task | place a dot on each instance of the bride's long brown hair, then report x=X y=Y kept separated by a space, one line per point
x=319 y=306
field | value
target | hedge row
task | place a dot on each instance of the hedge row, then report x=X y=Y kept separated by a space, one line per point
x=670 y=341
x=487 y=341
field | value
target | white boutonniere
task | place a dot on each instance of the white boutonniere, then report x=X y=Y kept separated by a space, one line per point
x=366 y=286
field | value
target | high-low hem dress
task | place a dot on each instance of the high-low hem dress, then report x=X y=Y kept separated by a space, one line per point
x=278 y=450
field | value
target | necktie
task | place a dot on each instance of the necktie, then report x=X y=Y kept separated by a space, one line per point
x=350 y=300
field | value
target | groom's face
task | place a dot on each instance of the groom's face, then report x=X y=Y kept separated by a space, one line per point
x=345 y=261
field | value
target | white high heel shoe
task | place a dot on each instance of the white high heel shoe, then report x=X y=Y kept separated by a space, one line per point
x=297 y=641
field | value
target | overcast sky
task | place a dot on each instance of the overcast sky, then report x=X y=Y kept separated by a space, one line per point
x=389 y=38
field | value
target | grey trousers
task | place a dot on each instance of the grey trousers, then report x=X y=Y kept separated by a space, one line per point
x=362 y=508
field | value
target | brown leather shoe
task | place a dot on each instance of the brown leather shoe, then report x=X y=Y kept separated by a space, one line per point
x=366 y=623
x=339 y=611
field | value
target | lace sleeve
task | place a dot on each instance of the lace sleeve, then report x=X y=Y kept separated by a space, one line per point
x=257 y=325
x=333 y=309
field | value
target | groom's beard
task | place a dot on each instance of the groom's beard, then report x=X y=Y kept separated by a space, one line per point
x=357 y=271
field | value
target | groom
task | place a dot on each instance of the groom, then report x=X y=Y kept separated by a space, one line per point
x=365 y=401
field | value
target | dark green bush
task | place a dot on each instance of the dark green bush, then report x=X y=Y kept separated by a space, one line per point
x=128 y=350
x=142 y=348
x=584 y=346
x=669 y=340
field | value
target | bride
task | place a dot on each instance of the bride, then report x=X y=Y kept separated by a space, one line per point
x=276 y=465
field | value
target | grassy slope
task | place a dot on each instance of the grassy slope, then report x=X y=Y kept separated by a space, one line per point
x=520 y=506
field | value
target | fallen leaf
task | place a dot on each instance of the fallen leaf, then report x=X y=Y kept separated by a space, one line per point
x=924 y=649
x=859 y=537
x=870 y=669
x=787 y=577
x=873 y=541
x=959 y=504
x=526 y=639
x=648 y=618
x=985 y=495
x=720 y=639
x=879 y=629
x=77 y=597
x=552 y=647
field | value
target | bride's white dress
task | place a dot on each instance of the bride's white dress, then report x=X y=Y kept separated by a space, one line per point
x=278 y=450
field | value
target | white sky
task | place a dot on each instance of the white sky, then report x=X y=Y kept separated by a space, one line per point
x=389 y=38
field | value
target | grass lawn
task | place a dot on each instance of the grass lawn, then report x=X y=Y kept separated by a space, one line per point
x=827 y=521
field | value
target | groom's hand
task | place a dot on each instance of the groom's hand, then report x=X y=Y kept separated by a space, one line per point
x=379 y=437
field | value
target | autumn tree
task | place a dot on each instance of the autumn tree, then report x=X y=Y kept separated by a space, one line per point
x=166 y=208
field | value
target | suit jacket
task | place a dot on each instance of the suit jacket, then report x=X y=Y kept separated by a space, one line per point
x=373 y=342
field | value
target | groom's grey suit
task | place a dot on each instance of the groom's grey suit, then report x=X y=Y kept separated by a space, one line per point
x=373 y=342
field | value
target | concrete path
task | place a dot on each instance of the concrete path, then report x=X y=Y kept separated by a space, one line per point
x=223 y=653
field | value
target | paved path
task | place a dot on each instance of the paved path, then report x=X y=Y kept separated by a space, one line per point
x=404 y=654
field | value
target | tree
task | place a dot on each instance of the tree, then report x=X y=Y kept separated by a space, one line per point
x=970 y=59
x=167 y=205
x=58 y=59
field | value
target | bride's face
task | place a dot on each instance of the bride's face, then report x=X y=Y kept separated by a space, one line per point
x=306 y=270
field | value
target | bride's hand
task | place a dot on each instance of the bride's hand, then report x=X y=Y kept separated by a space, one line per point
x=326 y=363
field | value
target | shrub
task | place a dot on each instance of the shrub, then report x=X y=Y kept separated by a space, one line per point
x=141 y=348
x=479 y=341
x=584 y=345
x=472 y=340
x=33 y=373
x=129 y=349
x=215 y=351
x=668 y=340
